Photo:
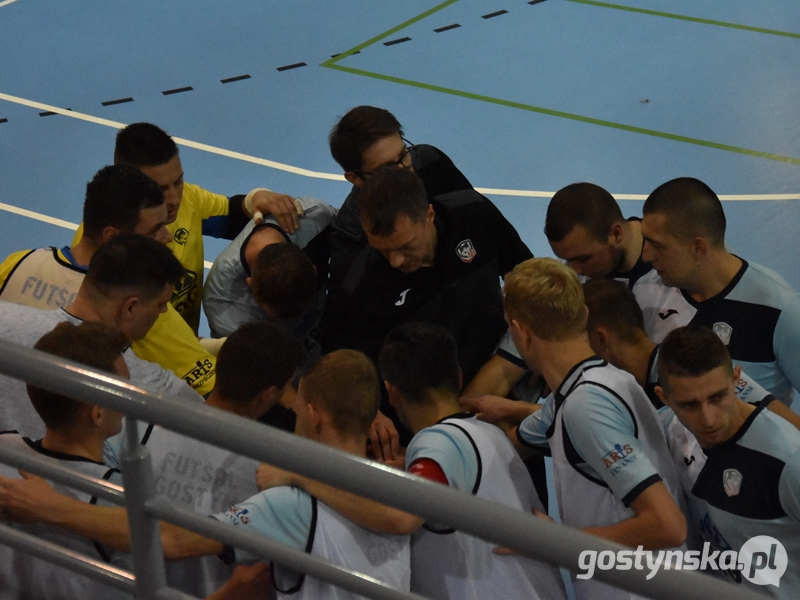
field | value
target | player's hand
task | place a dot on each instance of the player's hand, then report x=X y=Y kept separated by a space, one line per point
x=248 y=582
x=399 y=462
x=280 y=206
x=384 y=439
x=270 y=476
x=25 y=500
x=491 y=409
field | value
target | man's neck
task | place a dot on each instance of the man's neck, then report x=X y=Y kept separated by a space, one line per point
x=86 y=310
x=440 y=404
x=714 y=275
x=635 y=359
x=82 y=251
x=633 y=244
x=215 y=400
x=560 y=357
x=74 y=444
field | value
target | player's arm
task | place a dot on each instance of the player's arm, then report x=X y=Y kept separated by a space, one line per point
x=248 y=582
x=280 y=206
x=362 y=511
x=496 y=377
x=657 y=522
x=780 y=409
x=602 y=432
x=499 y=411
x=32 y=499
x=530 y=436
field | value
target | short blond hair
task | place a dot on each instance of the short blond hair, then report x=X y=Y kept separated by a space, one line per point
x=345 y=384
x=546 y=296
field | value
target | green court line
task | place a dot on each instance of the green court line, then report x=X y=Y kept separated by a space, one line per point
x=385 y=34
x=656 y=13
x=331 y=64
x=571 y=116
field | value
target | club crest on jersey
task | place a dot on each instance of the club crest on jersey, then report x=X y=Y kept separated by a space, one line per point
x=732 y=482
x=181 y=236
x=466 y=251
x=724 y=331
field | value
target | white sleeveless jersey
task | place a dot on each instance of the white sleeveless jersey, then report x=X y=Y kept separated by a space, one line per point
x=203 y=478
x=342 y=542
x=456 y=565
x=607 y=449
x=23 y=577
x=43 y=279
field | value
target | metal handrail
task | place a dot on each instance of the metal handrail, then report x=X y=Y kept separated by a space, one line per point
x=540 y=539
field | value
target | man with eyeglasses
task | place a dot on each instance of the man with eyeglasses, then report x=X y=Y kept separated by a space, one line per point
x=363 y=140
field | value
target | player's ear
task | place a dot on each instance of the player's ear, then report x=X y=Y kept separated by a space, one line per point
x=737 y=374
x=264 y=401
x=392 y=392
x=353 y=178
x=616 y=234
x=96 y=415
x=247 y=280
x=699 y=248
x=108 y=233
x=431 y=214
x=661 y=395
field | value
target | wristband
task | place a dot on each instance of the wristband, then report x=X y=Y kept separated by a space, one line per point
x=248 y=200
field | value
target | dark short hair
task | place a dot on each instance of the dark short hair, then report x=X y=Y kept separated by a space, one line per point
x=283 y=278
x=611 y=304
x=114 y=198
x=584 y=204
x=691 y=207
x=691 y=351
x=418 y=358
x=254 y=358
x=345 y=384
x=144 y=145
x=129 y=261
x=94 y=345
x=389 y=194
x=357 y=131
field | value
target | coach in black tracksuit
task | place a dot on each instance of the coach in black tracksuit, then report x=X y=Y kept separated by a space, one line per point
x=437 y=260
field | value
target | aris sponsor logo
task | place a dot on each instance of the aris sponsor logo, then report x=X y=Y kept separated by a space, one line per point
x=762 y=560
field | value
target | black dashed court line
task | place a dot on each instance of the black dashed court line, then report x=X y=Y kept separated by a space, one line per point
x=448 y=28
x=339 y=54
x=232 y=79
x=494 y=14
x=188 y=88
x=47 y=113
x=535 y=1
x=294 y=66
x=113 y=102
x=397 y=41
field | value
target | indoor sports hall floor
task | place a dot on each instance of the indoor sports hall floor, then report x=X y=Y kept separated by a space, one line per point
x=526 y=97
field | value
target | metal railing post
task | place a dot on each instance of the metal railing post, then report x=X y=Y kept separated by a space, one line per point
x=146 y=550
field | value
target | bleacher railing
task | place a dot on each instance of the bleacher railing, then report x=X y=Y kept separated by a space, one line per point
x=540 y=539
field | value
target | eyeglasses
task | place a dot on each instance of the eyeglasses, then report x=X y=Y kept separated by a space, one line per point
x=403 y=162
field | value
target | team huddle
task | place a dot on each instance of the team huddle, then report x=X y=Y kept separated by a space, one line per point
x=414 y=327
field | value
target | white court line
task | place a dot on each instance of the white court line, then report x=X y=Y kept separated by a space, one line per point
x=335 y=176
x=183 y=142
x=6 y=2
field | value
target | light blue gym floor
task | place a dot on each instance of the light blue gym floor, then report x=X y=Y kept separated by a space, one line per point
x=625 y=94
